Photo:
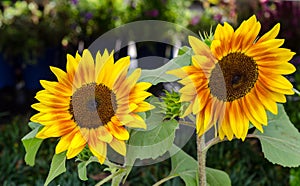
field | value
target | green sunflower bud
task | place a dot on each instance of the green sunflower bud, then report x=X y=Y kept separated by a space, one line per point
x=170 y=105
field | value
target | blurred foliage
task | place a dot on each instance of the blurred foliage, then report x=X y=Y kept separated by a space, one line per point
x=232 y=157
x=28 y=28
x=173 y=11
x=13 y=169
x=212 y=12
x=91 y=18
x=270 y=12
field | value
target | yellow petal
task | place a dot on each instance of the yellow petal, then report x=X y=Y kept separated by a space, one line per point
x=56 y=130
x=234 y=117
x=189 y=89
x=119 y=132
x=99 y=149
x=226 y=129
x=65 y=142
x=284 y=69
x=203 y=63
x=274 y=57
x=200 y=123
x=250 y=35
x=178 y=72
x=196 y=105
x=77 y=141
x=51 y=117
x=61 y=76
x=249 y=115
x=271 y=34
x=139 y=96
x=52 y=100
x=72 y=65
x=138 y=122
x=276 y=80
x=103 y=134
x=46 y=108
x=120 y=66
x=141 y=86
x=129 y=83
x=264 y=97
x=262 y=48
x=274 y=88
x=71 y=153
x=119 y=146
x=56 y=88
x=143 y=106
x=200 y=48
x=208 y=115
x=256 y=108
x=87 y=66
x=104 y=74
x=188 y=110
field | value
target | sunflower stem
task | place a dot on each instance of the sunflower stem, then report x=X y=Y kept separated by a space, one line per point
x=201 y=155
x=187 y=123
x=110 y=177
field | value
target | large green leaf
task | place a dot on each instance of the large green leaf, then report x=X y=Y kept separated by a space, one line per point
x=31 y=143
x=151 y=143
x=216 y=177
x=58 y=166
x=158 y=75
x=184 y=166
x=154 y=116
x=280 y=140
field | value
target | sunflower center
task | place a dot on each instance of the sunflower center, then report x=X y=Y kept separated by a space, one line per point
x=93 y=105
x=233 y=77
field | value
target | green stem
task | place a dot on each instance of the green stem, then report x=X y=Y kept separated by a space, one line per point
x=211 y=143
x=110 y=177
x=164 y=180
x=296 y=91
x=201 y=155
x=187 y=123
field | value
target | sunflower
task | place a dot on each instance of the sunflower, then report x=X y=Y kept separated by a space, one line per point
x=235 y=80
x=91 y=105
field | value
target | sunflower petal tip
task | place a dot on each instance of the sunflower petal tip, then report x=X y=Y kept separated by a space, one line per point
x=193 y=39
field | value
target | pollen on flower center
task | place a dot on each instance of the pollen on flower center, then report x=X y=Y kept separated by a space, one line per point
x=233 y=77
x=93 y=105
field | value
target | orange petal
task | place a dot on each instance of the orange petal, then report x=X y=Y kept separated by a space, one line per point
x=119 y=132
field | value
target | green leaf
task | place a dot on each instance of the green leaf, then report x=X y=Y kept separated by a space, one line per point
x=216 y=177
x=34 y=125
x=151 y=143
x=154 y=116
x=31 y=143
x=280 y=140
x=58 y=166
x=183 y=50
x=159 y=75
x=82 y=173
x=184 y=166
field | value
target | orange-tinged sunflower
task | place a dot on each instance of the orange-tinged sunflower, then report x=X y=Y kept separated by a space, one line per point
x=236 y=80
x=91 y=104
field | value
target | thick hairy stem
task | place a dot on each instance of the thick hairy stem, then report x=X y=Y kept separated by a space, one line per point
x=201 y=155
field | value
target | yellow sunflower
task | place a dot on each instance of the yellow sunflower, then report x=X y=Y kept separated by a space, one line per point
x=237 y=79
x=91 y=104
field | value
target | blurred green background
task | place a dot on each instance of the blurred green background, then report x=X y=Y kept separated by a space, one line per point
x=36 y=34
